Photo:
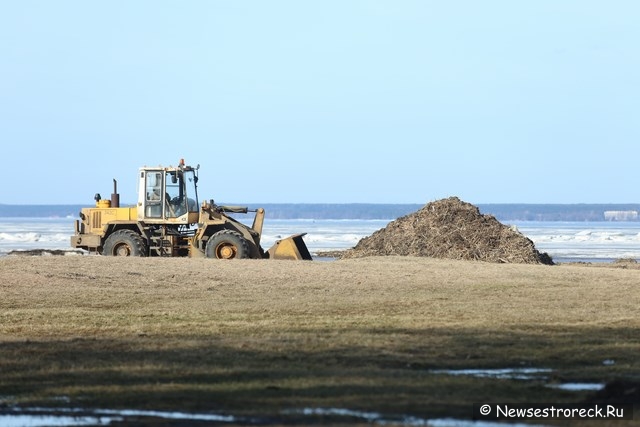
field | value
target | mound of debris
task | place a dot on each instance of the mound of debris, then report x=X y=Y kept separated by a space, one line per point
x=450 y=228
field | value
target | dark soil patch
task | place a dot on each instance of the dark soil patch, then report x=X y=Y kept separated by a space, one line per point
x=618 y=391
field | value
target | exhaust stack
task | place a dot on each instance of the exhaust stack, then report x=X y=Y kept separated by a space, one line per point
x=115 y=197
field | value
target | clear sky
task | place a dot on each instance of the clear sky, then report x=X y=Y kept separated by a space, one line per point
x=331 y=101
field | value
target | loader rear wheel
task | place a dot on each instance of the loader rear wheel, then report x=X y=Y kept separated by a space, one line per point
x=227 y=244
x=125 y=243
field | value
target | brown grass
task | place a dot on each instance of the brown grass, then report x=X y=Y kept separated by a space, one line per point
x=258 y=336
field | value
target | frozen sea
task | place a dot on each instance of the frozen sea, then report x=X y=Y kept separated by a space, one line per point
x=600 y=241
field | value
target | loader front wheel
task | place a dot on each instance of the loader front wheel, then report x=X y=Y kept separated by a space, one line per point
x=125 y=243
x=227 y=244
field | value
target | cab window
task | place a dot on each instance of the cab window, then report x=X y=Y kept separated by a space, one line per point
x=153 y=208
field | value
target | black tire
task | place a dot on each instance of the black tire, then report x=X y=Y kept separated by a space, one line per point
x=125 y=243
x=227 y=244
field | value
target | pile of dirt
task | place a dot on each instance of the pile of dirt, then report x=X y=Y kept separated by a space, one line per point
x=450 y=228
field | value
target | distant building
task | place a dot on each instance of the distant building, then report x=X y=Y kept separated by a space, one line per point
x=620 y=215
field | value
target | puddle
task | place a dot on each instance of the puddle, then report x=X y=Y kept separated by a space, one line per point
x=59 y=417
x=342 y=412
x=578 y=386
x=521 y=374
x=53 y=420
x=452 y=422
x=376 y=418
x=170 y=415
x=502 y=373
x=69 y=417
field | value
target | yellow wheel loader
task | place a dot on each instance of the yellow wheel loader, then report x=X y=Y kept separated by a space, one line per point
x=169 y=221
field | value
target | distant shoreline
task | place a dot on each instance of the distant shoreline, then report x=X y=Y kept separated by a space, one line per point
x=364 y=211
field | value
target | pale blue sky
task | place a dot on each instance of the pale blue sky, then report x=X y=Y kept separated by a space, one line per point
x=323 y=101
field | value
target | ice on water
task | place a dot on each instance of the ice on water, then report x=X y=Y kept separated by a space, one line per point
x=584 y=241
x=564 y=241
x=35 y=233
x=322 y=235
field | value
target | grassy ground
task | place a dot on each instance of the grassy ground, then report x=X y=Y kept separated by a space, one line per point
x=259 y=337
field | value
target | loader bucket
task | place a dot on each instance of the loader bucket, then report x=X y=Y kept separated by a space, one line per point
x=292 y=247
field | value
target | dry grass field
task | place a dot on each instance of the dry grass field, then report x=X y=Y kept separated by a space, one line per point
x=270 y=338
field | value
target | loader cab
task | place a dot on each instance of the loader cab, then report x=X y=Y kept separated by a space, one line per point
x=168 y=195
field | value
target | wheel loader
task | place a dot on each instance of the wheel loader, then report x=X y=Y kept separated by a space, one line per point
x=168 y=221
